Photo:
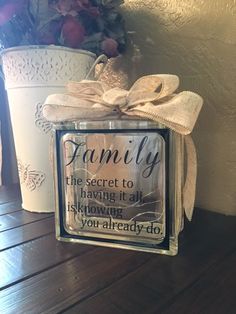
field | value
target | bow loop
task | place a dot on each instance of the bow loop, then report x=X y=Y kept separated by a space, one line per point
x=87 y=87
x=115 y=97
x=167 y=83
x=179 y=113
x=140 y=97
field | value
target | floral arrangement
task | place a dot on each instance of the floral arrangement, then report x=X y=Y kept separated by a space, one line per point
x=94 y=25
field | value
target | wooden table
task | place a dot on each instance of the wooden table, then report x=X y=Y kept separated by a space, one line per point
x=41 y=275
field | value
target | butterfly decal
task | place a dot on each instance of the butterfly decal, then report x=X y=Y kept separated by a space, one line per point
x=31 y=178
x=40 y=121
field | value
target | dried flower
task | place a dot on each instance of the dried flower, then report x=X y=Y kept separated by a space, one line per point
x=8 y=10
x=94 y=25
x=110 y=47
x=72 y=32
x=65 y=7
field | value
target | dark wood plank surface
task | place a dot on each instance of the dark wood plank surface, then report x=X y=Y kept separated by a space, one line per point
x=9 y=193
x=41 y=275
x=10 y=207
x=163 y=277
x=26 y=233
x=19 y=218
x=213 y=293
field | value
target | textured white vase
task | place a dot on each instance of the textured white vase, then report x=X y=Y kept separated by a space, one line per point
x=31 y=74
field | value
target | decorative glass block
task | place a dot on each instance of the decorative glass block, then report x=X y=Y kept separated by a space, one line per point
x=118 y=183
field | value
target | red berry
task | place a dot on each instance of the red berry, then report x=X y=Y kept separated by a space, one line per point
x=110 y=47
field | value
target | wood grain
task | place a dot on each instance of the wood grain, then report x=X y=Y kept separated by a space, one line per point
x=20 y=218
x=11 y=207
x=58 y=288
x=28 y=232
x=9 y=193
x=214 y=293
x=153 y=286
x=39 y=274
x=30 y=258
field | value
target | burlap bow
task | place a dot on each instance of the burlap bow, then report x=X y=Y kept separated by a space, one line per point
x=150 y=97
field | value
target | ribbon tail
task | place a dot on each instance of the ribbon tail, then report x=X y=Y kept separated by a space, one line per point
x=191 y=177
x=178 y=113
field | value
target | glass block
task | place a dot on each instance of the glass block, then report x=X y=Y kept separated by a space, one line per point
x=118 y=184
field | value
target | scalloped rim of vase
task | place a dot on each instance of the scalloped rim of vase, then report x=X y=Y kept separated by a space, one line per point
x=51 y=47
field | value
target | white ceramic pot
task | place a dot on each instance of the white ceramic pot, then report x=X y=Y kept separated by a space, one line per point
x=31 y=74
